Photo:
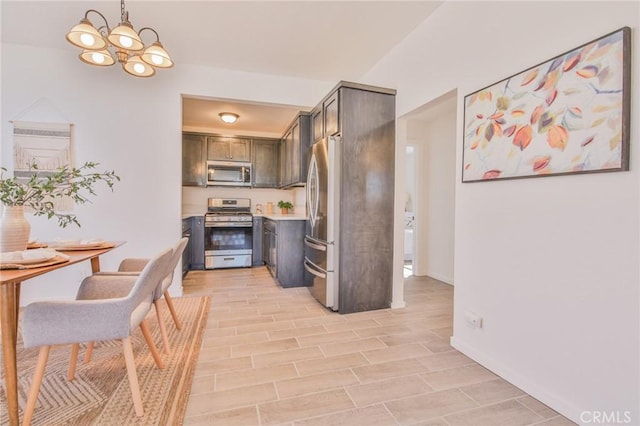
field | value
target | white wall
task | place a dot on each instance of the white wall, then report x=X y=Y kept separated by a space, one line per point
x=551 y=264
x=127 y=124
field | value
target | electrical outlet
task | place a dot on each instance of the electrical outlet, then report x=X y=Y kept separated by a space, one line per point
x=473 y=320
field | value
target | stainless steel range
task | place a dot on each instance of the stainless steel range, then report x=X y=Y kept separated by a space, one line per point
x=228 y=233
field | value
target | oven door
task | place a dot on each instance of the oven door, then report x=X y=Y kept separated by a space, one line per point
x=227 y=245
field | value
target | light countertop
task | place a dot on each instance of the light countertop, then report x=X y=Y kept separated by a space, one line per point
x=275 y=216
x=272 y=216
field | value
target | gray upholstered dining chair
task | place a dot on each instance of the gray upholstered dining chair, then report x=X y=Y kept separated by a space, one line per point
x=133 y=266
x=98 y=313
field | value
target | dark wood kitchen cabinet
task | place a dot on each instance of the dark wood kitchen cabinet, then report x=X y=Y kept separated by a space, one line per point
x=316 y=124
x=283 y=251
x=364 y=118
x=330 y=114
x=265 y=163
x=256 y=252
x=285 y=159
x=283 y=163
x=186 y=254
x=228 y=149
x=194 y=157
x=197 y=242
x=294 y=155
x=325 y=117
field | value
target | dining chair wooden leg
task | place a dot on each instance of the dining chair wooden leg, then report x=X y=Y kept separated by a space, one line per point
x=87 y=355
x=73 y=361
x=152 y=347
x=163 y=328
x=133 y=376
x=172 y=309
x=34 y=390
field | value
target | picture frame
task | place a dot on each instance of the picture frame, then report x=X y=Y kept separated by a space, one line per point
x=567 y=115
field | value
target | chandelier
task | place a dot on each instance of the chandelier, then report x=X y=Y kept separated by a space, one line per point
x=136 y=58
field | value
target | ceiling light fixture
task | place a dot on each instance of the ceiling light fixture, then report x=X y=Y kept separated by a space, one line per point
x=228 y=117
x=136 y=58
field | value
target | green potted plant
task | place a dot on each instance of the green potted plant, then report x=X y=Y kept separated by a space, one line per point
x=38 y=194
x=285 y=206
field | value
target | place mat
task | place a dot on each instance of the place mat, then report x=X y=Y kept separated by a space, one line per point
x=60 y=258
x=104 y=245
x=36 y=245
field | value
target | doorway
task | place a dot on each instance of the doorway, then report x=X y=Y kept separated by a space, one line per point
x=430 y=163
x=409 y=213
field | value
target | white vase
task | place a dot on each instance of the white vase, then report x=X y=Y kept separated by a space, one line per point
x=14 y=229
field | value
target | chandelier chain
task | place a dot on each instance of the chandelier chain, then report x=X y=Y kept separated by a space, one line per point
x=122 y=12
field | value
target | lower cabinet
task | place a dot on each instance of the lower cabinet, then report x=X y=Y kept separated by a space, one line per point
x=197 y=242
x=256 y=253
x=283 y=251
x=186 y=254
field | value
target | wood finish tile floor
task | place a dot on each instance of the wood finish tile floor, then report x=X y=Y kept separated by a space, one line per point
x=274 y=356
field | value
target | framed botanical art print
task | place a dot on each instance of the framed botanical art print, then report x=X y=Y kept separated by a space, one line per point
x=567 y=115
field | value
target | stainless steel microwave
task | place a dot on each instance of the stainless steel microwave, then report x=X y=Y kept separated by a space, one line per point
x=228 y=173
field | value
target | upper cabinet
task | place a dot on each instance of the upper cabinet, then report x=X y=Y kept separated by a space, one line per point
x=294 y=155
x=228 y=149
x=330 y=109
x=316 y=124
x=325 y=118
x=194 y=157
x=265 y=163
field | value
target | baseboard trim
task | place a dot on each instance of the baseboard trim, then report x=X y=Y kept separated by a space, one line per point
x=561 y=406
x=398 y=305
x=444 y=279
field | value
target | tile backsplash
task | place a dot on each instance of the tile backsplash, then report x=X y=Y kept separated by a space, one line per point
x=194 y=199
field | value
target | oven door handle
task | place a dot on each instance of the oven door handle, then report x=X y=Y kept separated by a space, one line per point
x=227 y=225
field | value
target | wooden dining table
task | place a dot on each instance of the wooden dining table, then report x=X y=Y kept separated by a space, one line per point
x=10 y=280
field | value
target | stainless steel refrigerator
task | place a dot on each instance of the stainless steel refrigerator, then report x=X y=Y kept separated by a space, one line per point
x=321 y=239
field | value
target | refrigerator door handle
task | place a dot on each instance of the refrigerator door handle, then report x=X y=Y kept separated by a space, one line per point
x=309 y=266
x=314 y=245
x=313 y=190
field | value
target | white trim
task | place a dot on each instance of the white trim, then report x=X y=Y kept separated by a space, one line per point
x=444 y=279
x=398 y=305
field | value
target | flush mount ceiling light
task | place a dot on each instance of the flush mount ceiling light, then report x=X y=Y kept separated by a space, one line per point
x=228 y=117
x=136 y=58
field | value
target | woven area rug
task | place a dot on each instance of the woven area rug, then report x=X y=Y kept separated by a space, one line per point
x=100 y=393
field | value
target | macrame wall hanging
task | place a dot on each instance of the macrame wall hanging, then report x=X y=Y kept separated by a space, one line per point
x=46 y=144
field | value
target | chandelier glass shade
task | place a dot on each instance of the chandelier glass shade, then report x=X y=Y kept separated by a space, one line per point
x=101 y=58
x=130 y=51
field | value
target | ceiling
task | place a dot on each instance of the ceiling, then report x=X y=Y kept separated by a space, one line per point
x=320 y=40
x=202 y=114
